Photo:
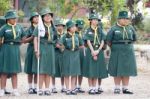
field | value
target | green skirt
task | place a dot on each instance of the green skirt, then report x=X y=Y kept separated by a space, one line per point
x=10 y=59
x=58 y=63
x=122 y=60
x=47 y=60
x=95 y=69
x=28 y=59
x=71 y=63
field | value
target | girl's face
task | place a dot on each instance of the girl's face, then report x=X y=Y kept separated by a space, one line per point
x=72 y=29
x=94 y=22
x=12 y=21
x=123 y=22
x=60 y=27
x=35 y=19
x=47 y=18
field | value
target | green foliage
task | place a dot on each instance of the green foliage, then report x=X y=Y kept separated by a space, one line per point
x=4 y=6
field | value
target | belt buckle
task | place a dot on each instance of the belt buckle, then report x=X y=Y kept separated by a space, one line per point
x=96 y=46
x=11 y=43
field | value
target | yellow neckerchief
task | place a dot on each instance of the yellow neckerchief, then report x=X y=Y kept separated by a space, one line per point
x=95 y=35
x=60 y=33
x=49 y=34
x=13 y=29
x=80 y=34
x=125 y=33
x=34 y=25
x=73 y=40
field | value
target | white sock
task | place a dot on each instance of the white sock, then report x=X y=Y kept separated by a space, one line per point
x=124 y=87
x=91 y=88
x=35 y=86
x=63 y=87
x=30 y=85
x=117 y=86
x=53 y=86
x=15 y=90
x=47 y=89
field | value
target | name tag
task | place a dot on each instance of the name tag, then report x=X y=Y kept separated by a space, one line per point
x=8 y=30
x=117 y=31
x=90 y=33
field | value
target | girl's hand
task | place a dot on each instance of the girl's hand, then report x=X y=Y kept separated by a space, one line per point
x=95 y=58
x=37 y=54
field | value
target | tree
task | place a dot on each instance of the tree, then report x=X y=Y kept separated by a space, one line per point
x=5 y=5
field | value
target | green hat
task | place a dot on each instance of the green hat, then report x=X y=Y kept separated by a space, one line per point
x=59 y=22
x=80 y=23
x=123 y=15
x=70 y=24
x=46 y=11
x=11 y=14
x=2 y=20
x=33 y=14
x=93 y=16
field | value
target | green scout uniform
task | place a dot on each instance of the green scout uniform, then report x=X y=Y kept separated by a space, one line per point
x=92 y=68
x=71 y=58
x=47 y=51
x=2 y=22
x=10 y=49
x=122 y=60
x=30 y=49
x=80 y=24
x=58 y=52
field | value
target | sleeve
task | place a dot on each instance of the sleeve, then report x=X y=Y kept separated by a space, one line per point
x=109 y=36
x=2 y=30
x=62 y=40
x=28 y=32
x=23 y=33
x=81 y=42
x=103 y=36
x=134 y=33
x=35 y=32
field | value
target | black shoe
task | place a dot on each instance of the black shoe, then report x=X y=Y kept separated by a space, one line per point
x=30 y=91
x=73 y=92
x=91 y=92
x=63 y=90
x=68 y=92
x=79 y=90
x=47 y=93
x=34 y=91
x=40 y=93
x=117 y=91
x=54 y=90
x=100 y=90
x=126 y=91
x=6 y=92
x=97 y=92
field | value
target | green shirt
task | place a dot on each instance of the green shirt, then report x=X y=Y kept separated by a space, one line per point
x=115 y=34
x=66 y=40
x=7 y=33
x=45 y=38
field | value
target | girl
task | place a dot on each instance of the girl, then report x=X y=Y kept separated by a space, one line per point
x=71 y=61
x=58 y=56
x=13 y=35
x=95 y=62
x=122 y=62
x=47 y=52
x=30 y=51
